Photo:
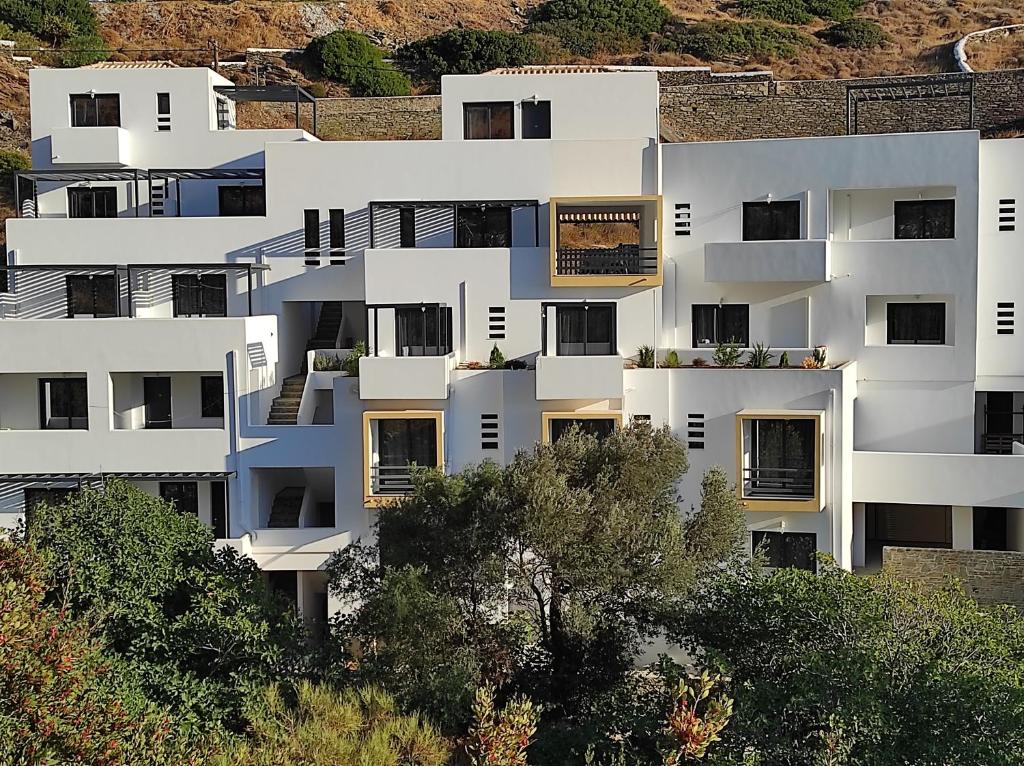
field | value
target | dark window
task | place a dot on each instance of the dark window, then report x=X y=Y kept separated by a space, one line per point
x=482 y=226
x=163 y=103
x=242 y=200
x=219 y=509
x=202 y=295
x=423 y=330
x=95 y=110
x=787 y=549
x=63 y=403
x=407 y=227
x=95 y=202
x=599 y=427
x=156 y=394
x=771 y=220
x=721 y=323
x=285 y=585
x=489 y=120
x=336 y=220
x=91 y=295
x=916 y=323
x=536 y=119
x=781 y=462
x=586 y=330
x=5 y=284
x=401 y=443
x=311 y=229
x=183 y=495
x=925 y=219
x=212 y=392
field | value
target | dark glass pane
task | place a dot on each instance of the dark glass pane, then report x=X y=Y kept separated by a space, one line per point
x=80 y=203
x=183 y=494
x=925 y=219
x=213 y=295
x=407 y=226
x=156 y=394
x=481 y=226
x=163 y=103
x=771 y=220
x=798 y=550
x=489 y=120
x=537 y=119
x=782 y=457
x=704 y=325
x=311 y=229
x=502 y=116
x=255 y=200
x=104 y=203
x=476 y=122
x=768 y=545
x=219 y=509
x=735 y=324
x=600 y=330
x=916 y=323
x=81 y=111
x=104 y=295
x=404 y=442
x=186 y=294
x=79 y=293
x=212 y=393
x=5 y=285
x=599 y=427
x=337 y=228
x=108 y=110
x=572 y=330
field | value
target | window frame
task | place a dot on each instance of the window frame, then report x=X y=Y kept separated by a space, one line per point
x=375 y=500
x=468 y=107
x=211 y=402
x=890 y=325
x=904 y=206
x=489 y=234
x=719 y=323
x=253 y=205
x=405 y=314
x=95 y=283
x=773 y=222
x=91 y=112
x=200 y=289
x=532 y=130
x=781 y=503
x=50 y=422
x=547 y=420
x=586 y=306
x=77 y=194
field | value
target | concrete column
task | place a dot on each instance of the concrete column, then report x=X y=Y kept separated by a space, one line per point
x=859 y=543
x=963 y=528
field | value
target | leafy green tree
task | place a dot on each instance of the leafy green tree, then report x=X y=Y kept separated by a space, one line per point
x=722 y=39
x=327 y=727
x=854 y=33
x=634 y=18
x=349 y=57
x=842 y=669
x=36 y=16
x=190 y=626
x=468 y=51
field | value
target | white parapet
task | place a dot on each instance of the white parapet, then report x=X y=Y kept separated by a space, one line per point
x=108 y=145
x=579 y=377
x=804 y=260
x=405 y=377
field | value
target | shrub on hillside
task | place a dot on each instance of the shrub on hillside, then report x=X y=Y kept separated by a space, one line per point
x=719 y=40
x=799 y=11
x=854 y=33
x=588 y=27
x=835 y=10
x=468 y=51
x=350 y=58
x=38 y=16
x=11 y=162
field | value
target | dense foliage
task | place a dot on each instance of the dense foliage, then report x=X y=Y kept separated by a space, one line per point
x=724 y=39
x=854 y=33
x=589 y=27
x=799 y=11
x=837 y=668
x=11 y=161
x=350 y=58
x=190 y=626
x=61 y=23
x=468 y=51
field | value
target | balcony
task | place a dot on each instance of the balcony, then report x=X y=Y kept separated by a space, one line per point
x=805 y=260
x=606 y=241
x=393 y=442
x=405 y=377
x=109 y=145
x=778 y=460
x=579 y=377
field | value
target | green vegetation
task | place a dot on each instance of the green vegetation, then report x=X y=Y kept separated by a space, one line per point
x=468 y=51
x=760 y=356
x=854 y=33
x=350 y=363
x=727 y=355
x=590 y=27
x=350 y=58
x=11 y=161
x=497 y=359
x=645 y=357
x=799 y=11
x=720 y=40
x=60 y=23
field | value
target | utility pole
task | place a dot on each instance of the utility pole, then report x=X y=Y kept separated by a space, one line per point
x=215 y=46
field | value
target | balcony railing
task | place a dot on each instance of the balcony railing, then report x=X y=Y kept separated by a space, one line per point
x=391 y=479
x=622 y=259
x=797 y=483
x=1000 y=444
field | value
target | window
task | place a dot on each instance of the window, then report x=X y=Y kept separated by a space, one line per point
x=219 y=509
x=482 y=226
x=94 y=202
x=781 y=458
x=336 y=221
x=285 y=585
x=489 y=120
x=423 y=330
x=771 y=220
x=163 y=111
x=183 y=495
x=199 y=295
x=94 y=296
x=5 y=284
x=721 y=323
x=536 y=119
x=212 y=393
x=599 y=427
x=916 y=323
x=156 y=395
x=407 y=227
x=786 y=549
x=925 y=219
x=242 y=200
x=63 y=403
x=586 y=330
x=95 y=110
x=399 y=444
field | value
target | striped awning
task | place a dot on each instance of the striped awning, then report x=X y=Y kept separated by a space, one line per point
x=600 y=216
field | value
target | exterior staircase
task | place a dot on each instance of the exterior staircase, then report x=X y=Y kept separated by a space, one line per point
x=285 y=512
x=327 y=326
x=284 y=410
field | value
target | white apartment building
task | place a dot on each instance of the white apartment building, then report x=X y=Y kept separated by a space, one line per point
x=172 y=281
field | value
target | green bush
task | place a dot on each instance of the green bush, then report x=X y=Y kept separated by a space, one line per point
x=468 y=51
x=585 y=42
x=786 y=11
x=854 y=33
x=633 y=18
x=718 y=40
x=10 y=163
x=350 y=58
x=36 y=16
x=83 y=50
x=836 y=10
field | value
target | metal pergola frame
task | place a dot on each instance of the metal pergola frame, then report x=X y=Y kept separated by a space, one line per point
x=280 y=94
x=454 y=205
x=953 y=85
x=39 y=478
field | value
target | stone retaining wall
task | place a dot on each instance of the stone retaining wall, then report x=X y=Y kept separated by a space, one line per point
x=990 y=577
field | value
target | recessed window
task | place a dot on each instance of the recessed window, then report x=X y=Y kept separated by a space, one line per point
x=5 y=283
x=488 y=120
x=771 y=220
x=93 y=110
x=212 y=395
x=63 y=403
x=163 y=112
x=395 y=445
x=780 y=459
x=599 y=427
x=183 y=495
x=93 y=296
x=407 y=227
x=536 y=119
x=916 y=323
x=717 y=323
x=336 y=232
x=94 y=202
x=199 y=295
x=423 y=330
x=156 y=395
x=925 y=219
x=586 y=329
x=483 y=226
x=242 y=200
x=795 y=550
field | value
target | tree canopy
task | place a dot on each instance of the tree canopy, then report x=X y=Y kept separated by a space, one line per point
x=468 y=51
x=349 y=57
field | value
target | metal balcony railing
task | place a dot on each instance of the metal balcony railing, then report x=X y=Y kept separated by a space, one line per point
x=797 y=483
x=596 y=261
x=391 y=479
x=999 y=444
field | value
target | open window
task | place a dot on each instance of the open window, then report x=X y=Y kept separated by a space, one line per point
x=554 y=425
x=771 y=220
x=63 y=404
x=779 y=459
x=394 y=442
x=95 y=110
x=488 y=120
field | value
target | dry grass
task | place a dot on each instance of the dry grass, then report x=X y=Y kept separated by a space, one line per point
x=999 y=51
